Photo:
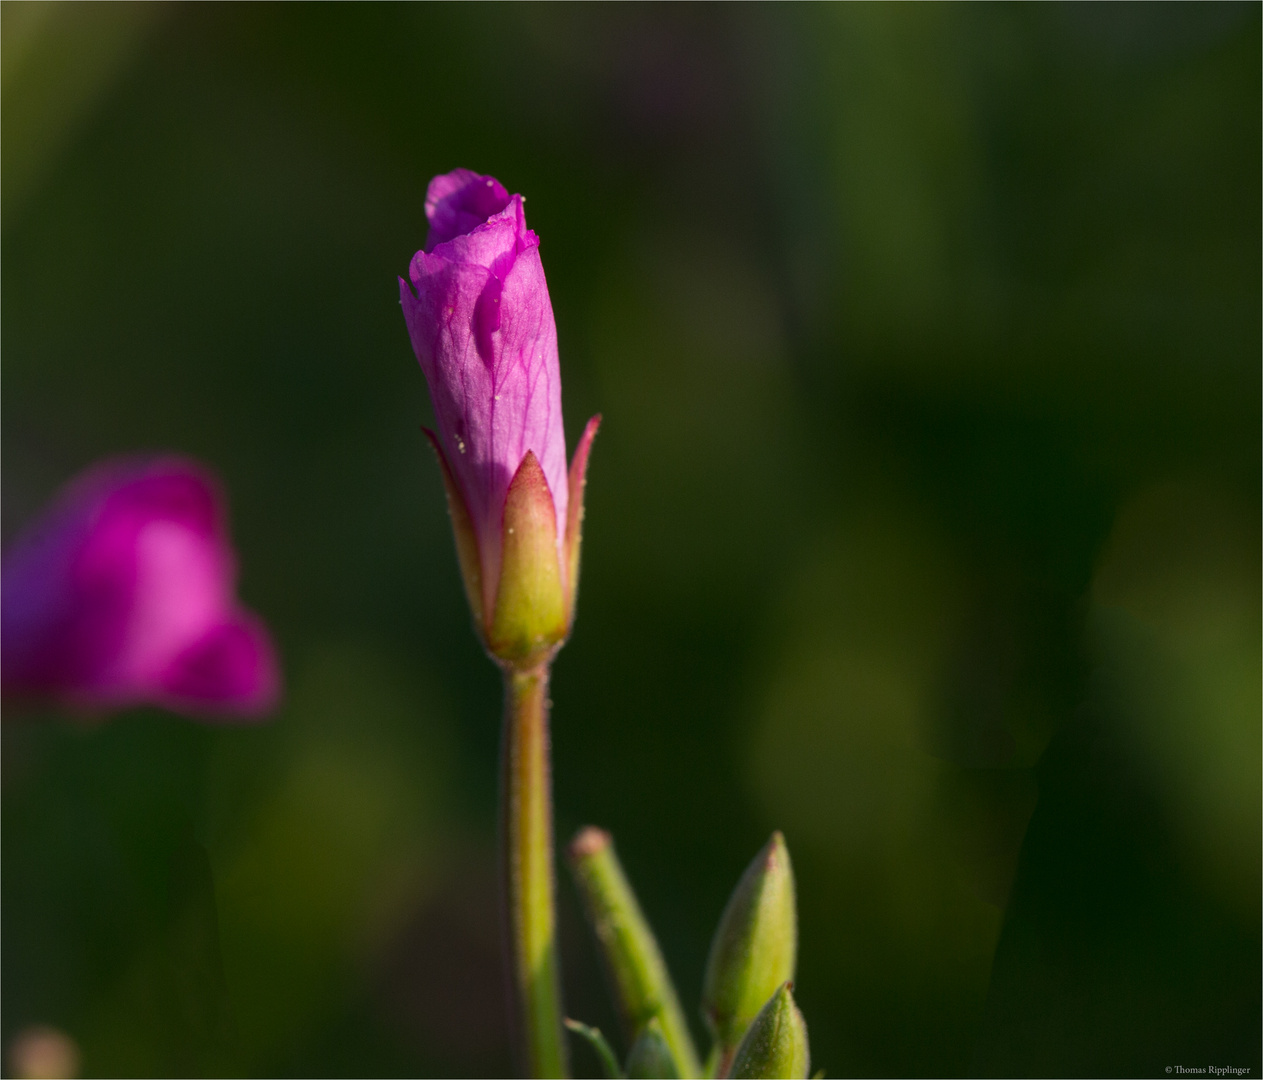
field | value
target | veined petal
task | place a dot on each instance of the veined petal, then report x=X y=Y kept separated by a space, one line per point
x=440 y=322
x=492 y=244
x=526 y=404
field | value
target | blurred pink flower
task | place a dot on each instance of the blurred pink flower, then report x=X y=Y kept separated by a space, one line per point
x=481 y=324
x=123 y=593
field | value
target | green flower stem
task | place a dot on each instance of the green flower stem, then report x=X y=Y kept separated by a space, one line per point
x=639 y=974
x=527 y=839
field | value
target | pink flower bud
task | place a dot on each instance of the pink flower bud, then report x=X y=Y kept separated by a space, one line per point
x=482 y=327
x=122 y=593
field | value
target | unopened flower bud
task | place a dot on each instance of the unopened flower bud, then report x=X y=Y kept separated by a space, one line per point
x=755 y=947
x=482 y=327
x=775 y=1047
x=650 y=1057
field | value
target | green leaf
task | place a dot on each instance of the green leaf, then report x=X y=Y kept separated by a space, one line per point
x=598 y=1043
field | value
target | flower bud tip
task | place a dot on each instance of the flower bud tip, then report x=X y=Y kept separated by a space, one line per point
x=650 y=1057
x=754 y=950
x=589 y=841
x=776 y=1043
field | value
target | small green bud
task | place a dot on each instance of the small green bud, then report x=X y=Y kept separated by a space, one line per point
x=755 y=947
x=651 y=1057
x=775 y=1047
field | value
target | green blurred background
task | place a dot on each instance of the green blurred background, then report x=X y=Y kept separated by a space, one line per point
x=923 y=524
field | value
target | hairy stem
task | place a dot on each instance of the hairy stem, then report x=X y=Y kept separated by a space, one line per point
x=638 y=973
x=527 y=869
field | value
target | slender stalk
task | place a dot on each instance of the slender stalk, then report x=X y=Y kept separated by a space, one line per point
x=641 y=983
x=527 y=868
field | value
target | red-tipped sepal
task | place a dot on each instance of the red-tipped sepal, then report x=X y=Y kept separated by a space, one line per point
x=529 y=620
x=466 y=539
x=574 y=514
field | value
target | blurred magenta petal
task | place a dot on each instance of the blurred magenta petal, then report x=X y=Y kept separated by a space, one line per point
x=123 y=593
x=481 y=324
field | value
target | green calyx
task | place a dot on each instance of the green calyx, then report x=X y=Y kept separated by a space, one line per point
x=755 y=946
x=775 y=1046
x=466 y=538
x=529 y=619
x=525 y=616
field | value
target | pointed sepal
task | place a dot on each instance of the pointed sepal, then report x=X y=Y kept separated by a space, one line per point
x=775 y=1047
x=529 y=620
x=466 y=539
x=574 y=514
x=755 y=947
x=650 y=1057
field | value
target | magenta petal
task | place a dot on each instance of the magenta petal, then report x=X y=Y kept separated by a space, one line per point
x=441 y=322
x=457 y=202
x=231 y=668
x=492 y=244
x=129 y=569
x=526 y=411
x=151 y=583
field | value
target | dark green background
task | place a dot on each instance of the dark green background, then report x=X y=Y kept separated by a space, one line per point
x=923 y=525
